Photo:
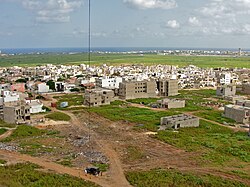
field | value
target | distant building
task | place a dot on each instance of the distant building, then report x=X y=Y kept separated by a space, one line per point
x=43 y=88
x=179 y=121
x=171 y=103
x=167 y=87
x=16 y=112
x=226 y=90
x=107 y=82
x=98 y=97
x=238 y=113
x=225 y=79
x=137 y=89
x=20 y=87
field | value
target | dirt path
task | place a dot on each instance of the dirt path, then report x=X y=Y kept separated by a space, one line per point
x=115 y=169
x=6 y=134
x=46 y=164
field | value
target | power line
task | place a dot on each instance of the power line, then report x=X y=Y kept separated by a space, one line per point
x=89 y=59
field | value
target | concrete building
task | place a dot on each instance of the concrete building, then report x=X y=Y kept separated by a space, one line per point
x=107 y=82
x=171 y=103
x=16 y=112
x=43 y=88
x=226 y=90
x=20 y=87
x=167 y=87
x=238 y=113
x=137 y=89
x=98 y=97
x=225 y=79
x=36 y=106
x=179 y=121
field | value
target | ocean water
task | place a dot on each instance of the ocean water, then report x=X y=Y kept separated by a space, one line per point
x=100 y=49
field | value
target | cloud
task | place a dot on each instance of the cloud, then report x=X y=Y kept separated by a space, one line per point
x=52 y=11
x=193 y=21
x=151 y=4
x=173 y=24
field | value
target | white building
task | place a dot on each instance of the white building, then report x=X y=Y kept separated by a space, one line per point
x=107 y=82
x=43 y=88
x=36 y=106
x=225 y=79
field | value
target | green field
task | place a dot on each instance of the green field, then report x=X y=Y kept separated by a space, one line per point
x=173 y=178
x=75 y=101
x=28 y=175
x=116 y=59
x=58 y=116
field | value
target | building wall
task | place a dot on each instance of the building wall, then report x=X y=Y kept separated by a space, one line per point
x=237 y=114
x=137 y=89
x=98 y=97
x=43 y=88
x=176 y=104
x=246 y=88
x=20 y=87
x=226 y=91
x=16 y=114
x=167 y=87
x=179 y=121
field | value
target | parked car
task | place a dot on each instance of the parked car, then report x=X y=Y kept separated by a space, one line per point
x=92 y=171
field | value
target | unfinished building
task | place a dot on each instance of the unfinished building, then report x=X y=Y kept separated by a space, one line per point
x=238 y=113
x=171 y=103
x=226 y=90
x=98 y=97
x=167 y=87
x=16 y=112
x=137 y=89
x=179 y=121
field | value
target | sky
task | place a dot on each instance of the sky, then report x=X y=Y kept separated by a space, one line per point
x=125 y=23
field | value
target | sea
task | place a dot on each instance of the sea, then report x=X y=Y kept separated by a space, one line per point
x=103 y=49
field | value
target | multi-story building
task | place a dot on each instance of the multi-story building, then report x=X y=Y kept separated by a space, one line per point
x=98 y=97
x=107 y=82
x=167 y=87
x=226 y=90
x=16 y=112
x=137 y=89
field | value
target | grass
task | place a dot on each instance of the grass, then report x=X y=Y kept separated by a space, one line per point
x=217 y=144
x=102 y=166
x=2 y=131
x=117 y=59
x=144 y=101
x=3 y=161
x=173 y=178
x=28 y=175
x=119 y=110
x=58 y=116
x=134 y=153
x=72 y=99
x=24 y=131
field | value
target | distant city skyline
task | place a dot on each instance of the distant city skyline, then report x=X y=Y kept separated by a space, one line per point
x=125 y=23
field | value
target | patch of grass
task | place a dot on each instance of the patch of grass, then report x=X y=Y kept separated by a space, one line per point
x=103 y=167
x=214 y=115
x=2 y=131
x=218 y=144
x=119 y=110
x=27 y=175
x=34 y=148
x=72 y=99
x=24 y=131
x=164 y=178
x=58 y=116
x=134 y=153
x=65 y=162
x=4 y=124
x=3 y=161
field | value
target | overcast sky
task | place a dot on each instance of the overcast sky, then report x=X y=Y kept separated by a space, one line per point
x=125 y=23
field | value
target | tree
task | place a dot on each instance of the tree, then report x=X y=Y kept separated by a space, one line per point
x=51 y=85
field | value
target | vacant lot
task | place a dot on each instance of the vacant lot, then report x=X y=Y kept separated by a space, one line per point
x=58 y=116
